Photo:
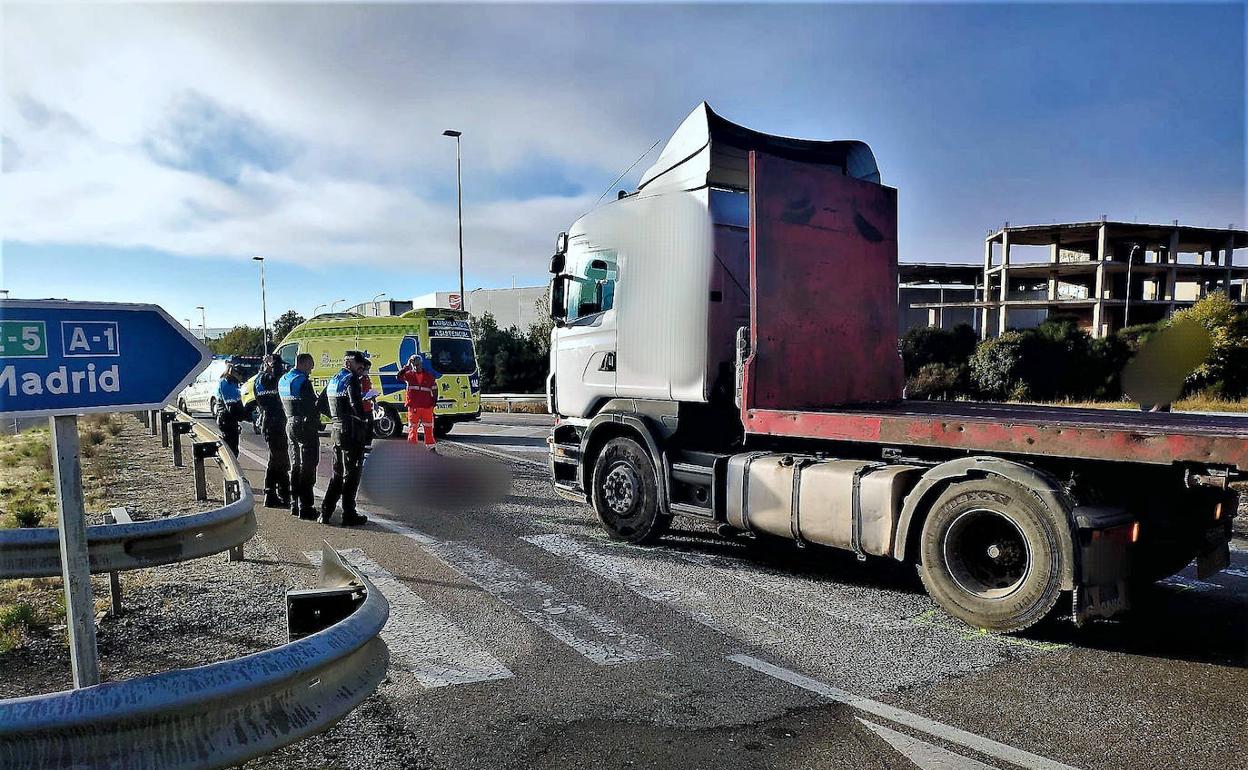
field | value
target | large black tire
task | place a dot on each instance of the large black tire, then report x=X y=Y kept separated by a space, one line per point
x=442 y=427
x=626 y=494
x=386 y=422
x=991 y=555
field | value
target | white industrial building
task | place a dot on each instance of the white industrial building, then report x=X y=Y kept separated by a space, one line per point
x=517 y=306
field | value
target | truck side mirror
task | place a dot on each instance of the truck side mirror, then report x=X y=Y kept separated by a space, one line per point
x=557 y=263
x=558 y=301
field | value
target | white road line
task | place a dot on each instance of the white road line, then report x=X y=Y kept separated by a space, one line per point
x=595 y=636
x=422 y=640
x=685 y=599
x=499 y=455
x=1191 y=584
x=924 y=755
x=939 y=730
x=1242 y=573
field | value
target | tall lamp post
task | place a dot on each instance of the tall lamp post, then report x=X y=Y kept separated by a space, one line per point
x=264 y=304
x=335 y=302
x=318 y=307
x=459 y=197
x=203 y=323
x=376 y=305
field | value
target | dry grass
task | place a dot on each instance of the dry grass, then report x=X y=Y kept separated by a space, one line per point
x=1196 y=403
x=27 y=486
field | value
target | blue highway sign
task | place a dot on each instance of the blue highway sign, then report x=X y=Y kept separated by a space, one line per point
x=76 y=357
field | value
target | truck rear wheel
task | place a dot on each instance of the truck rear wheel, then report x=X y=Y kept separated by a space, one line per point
x=991 y=555
x=625 y=493
x=442 y=427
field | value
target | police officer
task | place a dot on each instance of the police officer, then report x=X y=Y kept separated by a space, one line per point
x=351 y=436
x=229 y=408
x=303 y=423
x=273 y=426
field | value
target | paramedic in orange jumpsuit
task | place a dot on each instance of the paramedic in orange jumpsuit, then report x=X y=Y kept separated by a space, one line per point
x=421 y=397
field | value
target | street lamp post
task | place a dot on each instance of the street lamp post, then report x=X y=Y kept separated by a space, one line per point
x=335 y=302
x=459 y=197
x=264 y=304
x=376 y=305
x=318 y=307
x=203 y=323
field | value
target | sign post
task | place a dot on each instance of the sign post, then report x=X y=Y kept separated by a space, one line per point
x=75 y=564
x=61 y=359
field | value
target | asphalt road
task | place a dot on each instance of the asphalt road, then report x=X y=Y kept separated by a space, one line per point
x=521 y=637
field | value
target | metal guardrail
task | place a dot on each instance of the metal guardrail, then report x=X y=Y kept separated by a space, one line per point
x=211 y=716
x=36 y=552
x=514 y=398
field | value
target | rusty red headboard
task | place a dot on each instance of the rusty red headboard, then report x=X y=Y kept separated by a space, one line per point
x=823 y=288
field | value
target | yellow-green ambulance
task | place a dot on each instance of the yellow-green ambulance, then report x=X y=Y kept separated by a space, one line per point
x=442 y=335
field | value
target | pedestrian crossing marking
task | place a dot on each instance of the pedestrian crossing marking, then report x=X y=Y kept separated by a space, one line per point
x=421 y=640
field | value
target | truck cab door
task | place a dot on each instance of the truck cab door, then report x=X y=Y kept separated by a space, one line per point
x=584 y=347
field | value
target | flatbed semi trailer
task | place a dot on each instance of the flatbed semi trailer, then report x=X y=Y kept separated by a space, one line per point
x=725 y=347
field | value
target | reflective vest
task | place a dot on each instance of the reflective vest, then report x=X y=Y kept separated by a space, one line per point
x=297 y=394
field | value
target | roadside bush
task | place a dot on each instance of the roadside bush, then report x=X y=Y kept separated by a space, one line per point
x=996 y=366
x=15 y=620
x=28 y=518
x=936 y=382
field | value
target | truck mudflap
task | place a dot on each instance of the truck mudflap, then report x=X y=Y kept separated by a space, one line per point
x=1104 y=537
x=1215 y=548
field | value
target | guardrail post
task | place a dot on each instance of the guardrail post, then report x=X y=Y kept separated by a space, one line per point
x=179 y=427
x=152 y=420
x=144 y=416
x=117 y=516
x=232 y=494
x=165 y=419
x=201 y=451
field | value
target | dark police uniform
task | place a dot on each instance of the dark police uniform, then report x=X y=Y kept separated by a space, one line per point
x=229 y=412
x=273 y=426
x=303 y=422
x=351 y=436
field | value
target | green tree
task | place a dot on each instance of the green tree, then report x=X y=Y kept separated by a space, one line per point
x=509 y=361
x=284 y=324
x=1225 y=372
x=239 y=341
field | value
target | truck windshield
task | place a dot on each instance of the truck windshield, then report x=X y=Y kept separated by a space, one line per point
x=452 y=356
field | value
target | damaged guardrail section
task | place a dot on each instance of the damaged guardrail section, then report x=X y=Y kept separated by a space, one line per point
x=26 y=553
x=211 y=716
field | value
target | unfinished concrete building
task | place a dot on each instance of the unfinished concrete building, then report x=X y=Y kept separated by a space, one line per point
x=1108 y=275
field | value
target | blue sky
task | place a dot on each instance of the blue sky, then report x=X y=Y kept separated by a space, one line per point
x=148 y=152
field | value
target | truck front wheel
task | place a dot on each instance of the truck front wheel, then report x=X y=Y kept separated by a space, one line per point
x=625 y=493
x=991 y=555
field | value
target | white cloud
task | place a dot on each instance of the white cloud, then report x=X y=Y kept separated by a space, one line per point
x=99 y=151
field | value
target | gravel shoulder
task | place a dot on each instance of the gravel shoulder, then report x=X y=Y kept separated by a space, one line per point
x=176 y=616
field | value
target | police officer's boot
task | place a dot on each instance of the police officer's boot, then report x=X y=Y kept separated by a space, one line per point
x=353 y=519
x=274 y=500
